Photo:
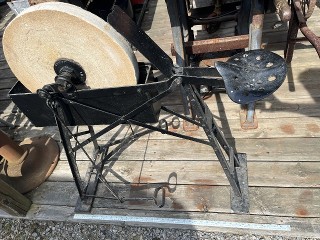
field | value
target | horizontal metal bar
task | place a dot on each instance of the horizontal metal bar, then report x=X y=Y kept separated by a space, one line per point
x=301 y=39
x=200 y=21
x=182 y=221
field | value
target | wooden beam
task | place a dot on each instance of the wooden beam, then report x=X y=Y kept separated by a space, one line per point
x=13 y=202
x=215 y=45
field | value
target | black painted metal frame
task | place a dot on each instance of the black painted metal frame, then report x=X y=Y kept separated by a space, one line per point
x=233 y=164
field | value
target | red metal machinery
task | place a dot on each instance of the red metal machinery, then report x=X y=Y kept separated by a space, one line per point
x=301 y=10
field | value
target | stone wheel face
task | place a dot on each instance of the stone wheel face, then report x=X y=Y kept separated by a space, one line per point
x=47 y=32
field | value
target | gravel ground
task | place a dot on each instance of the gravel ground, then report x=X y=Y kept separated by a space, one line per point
x=47 y=230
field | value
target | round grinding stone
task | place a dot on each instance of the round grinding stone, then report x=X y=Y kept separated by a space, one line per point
x=47 y=32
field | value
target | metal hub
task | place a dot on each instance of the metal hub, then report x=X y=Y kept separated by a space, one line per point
x=70 y=71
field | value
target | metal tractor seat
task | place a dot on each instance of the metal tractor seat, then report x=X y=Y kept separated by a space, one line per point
x=252 y=76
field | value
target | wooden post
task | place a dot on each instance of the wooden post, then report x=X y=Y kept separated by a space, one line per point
x=13 y=202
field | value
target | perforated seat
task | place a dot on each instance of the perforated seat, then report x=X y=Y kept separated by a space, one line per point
x=252 y=75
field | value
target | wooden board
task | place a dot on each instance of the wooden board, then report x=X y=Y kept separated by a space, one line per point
x=290 y=202
x=280 y=174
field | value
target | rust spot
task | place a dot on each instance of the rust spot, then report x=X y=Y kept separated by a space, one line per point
x=141 y=180
x=312 y=127
x=203 y=207
x=302 y=212
x=287 y=128
x=176 y=205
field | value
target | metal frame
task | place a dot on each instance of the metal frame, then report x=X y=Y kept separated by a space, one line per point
x=233 y=164
x=251 y=24
x=298 y=21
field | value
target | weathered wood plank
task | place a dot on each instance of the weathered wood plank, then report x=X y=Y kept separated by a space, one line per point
x=294 y=108
x=6 y=73
x=133 y=151
x=279 y=174
x=7 y=106
x=263 y=201
x=277 y=128
x=12 y=201
x=6 y=83
x=273 y=149
x=290 y=202
x=4 y=94
x=117 y=133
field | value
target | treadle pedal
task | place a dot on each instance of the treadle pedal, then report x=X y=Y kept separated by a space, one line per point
x=252 y=75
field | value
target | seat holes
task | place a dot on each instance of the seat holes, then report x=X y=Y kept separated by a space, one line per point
x=272 y=78
x=261 y=89
x=269 y=64
x=235 y=78
x=245 y=55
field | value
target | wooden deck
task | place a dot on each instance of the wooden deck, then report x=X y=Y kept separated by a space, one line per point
x=283 y=154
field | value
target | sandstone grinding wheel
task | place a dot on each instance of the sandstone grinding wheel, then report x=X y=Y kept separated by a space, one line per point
x=47 y=32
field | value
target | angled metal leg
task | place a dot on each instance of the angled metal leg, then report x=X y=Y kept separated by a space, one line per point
x=235 y=169
x=292 y=34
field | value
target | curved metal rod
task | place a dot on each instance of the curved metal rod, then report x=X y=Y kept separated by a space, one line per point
x=305 y=30
x=313 y=39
